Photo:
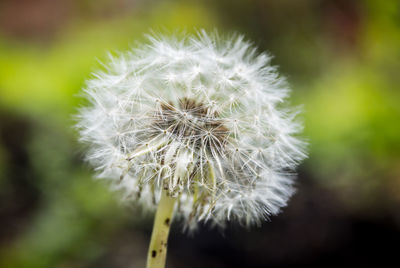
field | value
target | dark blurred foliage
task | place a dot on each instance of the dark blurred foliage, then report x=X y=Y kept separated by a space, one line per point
x=341 y=58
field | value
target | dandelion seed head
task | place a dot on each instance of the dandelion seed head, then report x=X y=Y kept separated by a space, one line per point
x=199 y=117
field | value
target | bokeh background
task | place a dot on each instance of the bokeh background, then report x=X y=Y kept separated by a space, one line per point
x=342 y=59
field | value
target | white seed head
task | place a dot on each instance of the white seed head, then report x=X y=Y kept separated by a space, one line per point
x=199 y=117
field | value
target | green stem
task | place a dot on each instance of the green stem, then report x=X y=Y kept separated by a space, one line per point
x=158 y=245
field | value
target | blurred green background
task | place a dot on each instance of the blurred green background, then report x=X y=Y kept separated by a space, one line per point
x=342 y=59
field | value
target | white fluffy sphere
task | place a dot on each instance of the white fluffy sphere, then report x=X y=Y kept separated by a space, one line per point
x=199 y=117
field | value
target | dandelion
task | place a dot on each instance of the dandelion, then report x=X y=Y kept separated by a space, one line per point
x=193 y=126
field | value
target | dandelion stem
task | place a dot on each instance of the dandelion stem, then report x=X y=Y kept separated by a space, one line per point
x=158 y=245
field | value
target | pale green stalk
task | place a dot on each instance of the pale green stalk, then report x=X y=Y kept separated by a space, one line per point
x=159 y=238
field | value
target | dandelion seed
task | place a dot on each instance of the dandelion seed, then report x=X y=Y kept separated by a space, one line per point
x=193 y=123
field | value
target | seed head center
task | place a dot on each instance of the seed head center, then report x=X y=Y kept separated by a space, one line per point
x=193 y=123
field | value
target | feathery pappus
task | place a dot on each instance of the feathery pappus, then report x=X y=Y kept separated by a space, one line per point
x=200 y=117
